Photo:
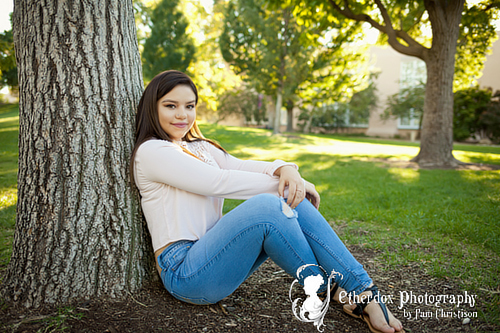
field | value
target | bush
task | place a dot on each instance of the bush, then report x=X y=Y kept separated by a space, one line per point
x=469 y=105
x=490 y=119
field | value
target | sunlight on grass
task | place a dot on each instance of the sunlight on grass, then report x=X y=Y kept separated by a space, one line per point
x=405 y=175
x=325 y=147
x=8 y=199
x=482 y=176
x=8 y=119
x=473 y=157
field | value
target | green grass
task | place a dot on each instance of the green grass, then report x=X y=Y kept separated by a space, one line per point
x=447 y=221
x=9 y=124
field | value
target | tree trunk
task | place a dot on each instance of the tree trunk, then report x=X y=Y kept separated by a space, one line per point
x=436 y=143
x=289 y=114
x=79 y=231
x=277 y=114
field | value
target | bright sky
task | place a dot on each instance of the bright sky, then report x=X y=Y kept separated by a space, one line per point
x=6 y=7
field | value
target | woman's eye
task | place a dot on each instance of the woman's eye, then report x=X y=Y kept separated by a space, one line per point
x=170 y=106
x=190 y=107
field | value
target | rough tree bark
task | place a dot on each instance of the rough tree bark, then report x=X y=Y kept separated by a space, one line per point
x=436 y=142
x=79 y=231
x=436 y=136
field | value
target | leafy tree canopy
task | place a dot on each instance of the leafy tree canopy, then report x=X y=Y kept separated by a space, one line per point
x=168 y=46
x=275 y=51
x=407 y=103
x=411 y=24
x=8 y=68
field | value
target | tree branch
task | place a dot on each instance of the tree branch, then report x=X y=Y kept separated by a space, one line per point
x=495 y=4
x=413 y=49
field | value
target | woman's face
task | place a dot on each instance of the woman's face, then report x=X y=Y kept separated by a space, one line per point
x=177 y=111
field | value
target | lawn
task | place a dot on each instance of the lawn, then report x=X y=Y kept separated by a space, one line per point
x=447 y=221
x=9 y=124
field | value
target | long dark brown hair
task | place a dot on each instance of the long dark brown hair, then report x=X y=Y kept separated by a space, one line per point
x=147 y=123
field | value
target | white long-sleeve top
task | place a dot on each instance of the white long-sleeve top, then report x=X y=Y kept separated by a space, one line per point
x=182 y=196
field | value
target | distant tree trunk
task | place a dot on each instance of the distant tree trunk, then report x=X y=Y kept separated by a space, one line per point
x=79 y=231
x=289 y=114
x=277 y=114
x=436 y=142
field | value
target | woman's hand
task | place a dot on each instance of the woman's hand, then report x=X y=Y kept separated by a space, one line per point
x=312 y=195
x=289 y=176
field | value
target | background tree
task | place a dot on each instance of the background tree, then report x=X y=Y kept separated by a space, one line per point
x=477 y=34
x=255 y=42
x=8 y=68
x=168 y=46
x=209 y=71
x=338 y=114
x=407 y=103
x=79 y=232
x=281 y=58
x=362 y=103
x=243 y=101
x=402 y=23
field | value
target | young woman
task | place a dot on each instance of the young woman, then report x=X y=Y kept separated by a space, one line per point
x=203 y=256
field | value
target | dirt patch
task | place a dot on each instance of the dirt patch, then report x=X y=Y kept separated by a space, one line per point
x=261 y=304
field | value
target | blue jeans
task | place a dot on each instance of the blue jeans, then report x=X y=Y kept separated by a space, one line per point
x=209 y=269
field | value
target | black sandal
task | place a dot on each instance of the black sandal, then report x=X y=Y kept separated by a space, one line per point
x=359 y=311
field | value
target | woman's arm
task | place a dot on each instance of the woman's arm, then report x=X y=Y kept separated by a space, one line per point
x=298 y=188
x=163 y=162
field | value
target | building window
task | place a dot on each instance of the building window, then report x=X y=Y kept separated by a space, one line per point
x=413 y=73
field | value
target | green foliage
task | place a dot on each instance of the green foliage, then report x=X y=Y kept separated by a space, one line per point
x=408 y=103
x=469 y=104
x=8 y=67
x=477 y=34
x=339 y=115
x=490 y=119
x=362 y=102
x=256 y=41
x=142 y=15
x=243 y=101
x=168 y=46
x=276 y=49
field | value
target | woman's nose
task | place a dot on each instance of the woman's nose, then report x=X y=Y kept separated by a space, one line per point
x=181 y=113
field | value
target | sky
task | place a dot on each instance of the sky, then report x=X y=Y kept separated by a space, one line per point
x=6 y=7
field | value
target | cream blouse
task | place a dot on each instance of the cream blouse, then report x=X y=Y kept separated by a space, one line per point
x=182 y=196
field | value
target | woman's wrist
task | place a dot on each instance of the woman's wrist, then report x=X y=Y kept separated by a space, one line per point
x=277 y=172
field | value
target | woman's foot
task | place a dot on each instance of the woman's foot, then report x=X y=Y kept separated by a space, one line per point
x=373 y=313
x=335 y=294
